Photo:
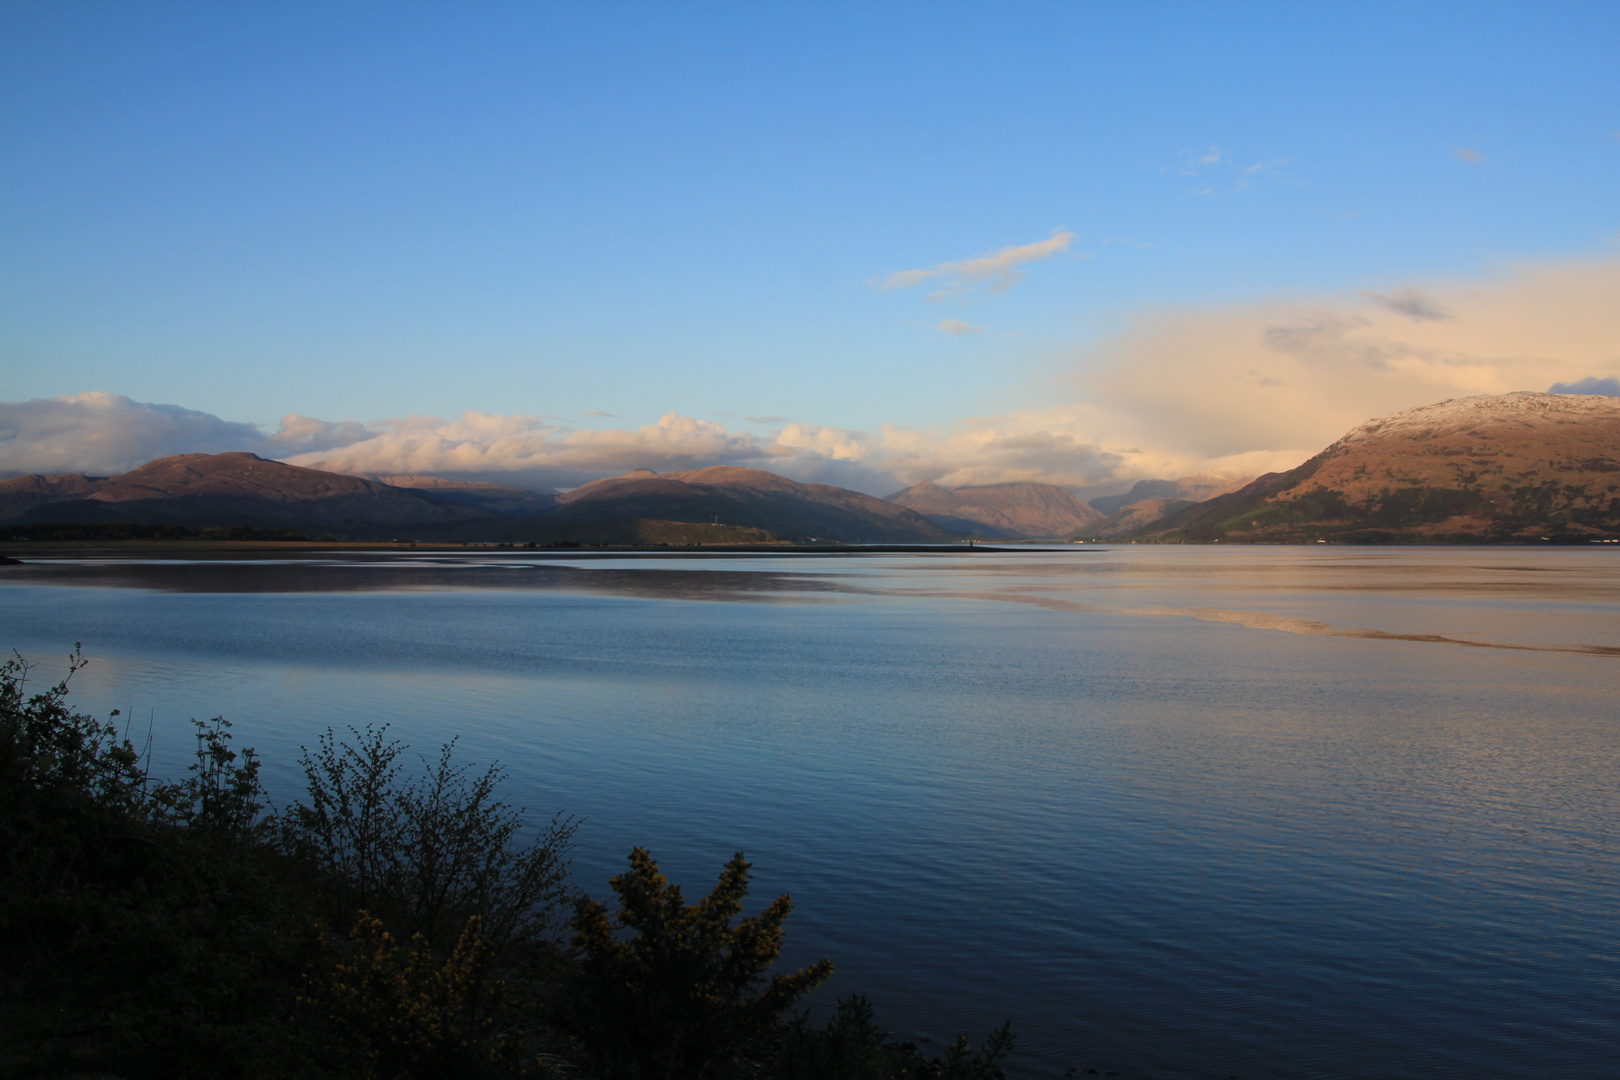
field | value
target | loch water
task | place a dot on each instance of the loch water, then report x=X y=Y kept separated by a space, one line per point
x=1175 y=812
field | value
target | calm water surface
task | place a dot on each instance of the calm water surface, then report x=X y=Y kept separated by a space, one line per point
x=1264 y=812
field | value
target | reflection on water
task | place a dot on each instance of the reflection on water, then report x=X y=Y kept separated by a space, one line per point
x=1439 y=580
x=1096 y=790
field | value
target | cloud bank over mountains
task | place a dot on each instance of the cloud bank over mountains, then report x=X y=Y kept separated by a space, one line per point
x=101 y=433
x=1254 y=387
x=1239 y=389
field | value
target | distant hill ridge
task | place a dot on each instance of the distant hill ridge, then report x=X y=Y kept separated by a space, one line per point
x=1196 y=488
x=497 y=499
x=723 y=504
x=219 y=490
x=753 y=498
x=1501 y=468
x=1018 y=510
x=1133 y=518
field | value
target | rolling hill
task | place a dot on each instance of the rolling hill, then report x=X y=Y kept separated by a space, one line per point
x=213 y=490
x=721 y=504
x=495 y=499
x=750 y=498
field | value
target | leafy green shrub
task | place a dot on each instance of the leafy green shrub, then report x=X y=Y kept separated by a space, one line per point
x=54 y=758
x=219 y=799
x=427 y=854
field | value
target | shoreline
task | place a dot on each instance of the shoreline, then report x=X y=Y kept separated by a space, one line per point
x=20 y=550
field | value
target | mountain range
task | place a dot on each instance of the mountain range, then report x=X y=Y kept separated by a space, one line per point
x=715 y=505
x=494 y=499
x=1130 y=520
x=1193 y=489
x=1502 y=468
x=752 y=498
x=999 y=511
x=1513 y=467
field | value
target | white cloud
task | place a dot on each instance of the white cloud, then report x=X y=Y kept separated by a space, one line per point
x=1001 y=270
x=1033 y=446
x=303 y=433
x=529 y=449
x=108 y=433
x=1473 y=157
x=957 y=328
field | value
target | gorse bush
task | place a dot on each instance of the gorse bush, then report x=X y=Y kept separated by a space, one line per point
x=686 y=994
x=413 y=1012
x=393 y=924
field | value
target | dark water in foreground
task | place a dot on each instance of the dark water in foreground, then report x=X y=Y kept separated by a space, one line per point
x=1273 y=812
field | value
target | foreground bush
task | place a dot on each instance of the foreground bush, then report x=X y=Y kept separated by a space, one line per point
x=387 y=926
x=145 y=929
x=686 y=995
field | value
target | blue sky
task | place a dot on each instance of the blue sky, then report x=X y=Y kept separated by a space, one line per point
x=360 y=212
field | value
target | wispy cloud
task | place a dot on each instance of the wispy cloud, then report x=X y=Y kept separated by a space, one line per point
x=599 y=412
x=1247 y=173
x=1409 y=302
x=1192 y=162
x=957 y=328
x=1212 y=164
x=1473 y=157
x=1000 y=270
